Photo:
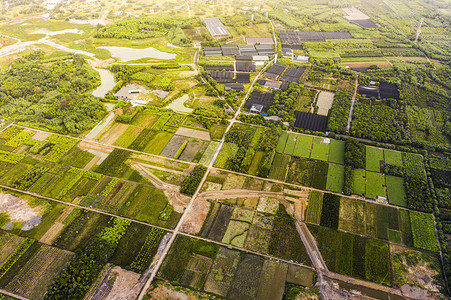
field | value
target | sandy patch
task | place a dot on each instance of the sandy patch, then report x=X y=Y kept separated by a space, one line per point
x=18 y=210
x=325 y=100
x=196 y=216
x=41 y=135
x=211 y=186
x=197 y=134
x=123 y=285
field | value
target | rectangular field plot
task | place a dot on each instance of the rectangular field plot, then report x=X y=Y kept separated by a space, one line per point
x=281 y=142
x=303 y=146
x=279 y=167
x=392 y=157
x=128 y=136
x=289 y=146
x=337 y=152
x=375 y=185
x=374 y=156
x=37 y=274
x=209 y=153
x=396 y=191
x=359 y=182
x=229 y=273
x=320 y=150
x=247 y=277
x=423 y=231
x=320 y=175
x=272 y=280
x=357 y=217
x=8 y=243
x=300 y=171
x=335 y=178
x=228 y=151
x=313 y=212
x=222 y=272
x=353 y=255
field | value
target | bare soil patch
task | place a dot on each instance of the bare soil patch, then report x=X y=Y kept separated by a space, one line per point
x=41 y=135
x=325 y=100
x=18 y=210
x=196 y=216
x=197 y=134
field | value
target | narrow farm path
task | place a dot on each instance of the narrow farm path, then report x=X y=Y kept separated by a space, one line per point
x=351 y=111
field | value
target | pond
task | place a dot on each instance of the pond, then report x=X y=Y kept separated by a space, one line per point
x=128 y=54
x=177 y=105
x=107 y=83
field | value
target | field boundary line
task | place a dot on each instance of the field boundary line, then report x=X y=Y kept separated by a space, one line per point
x=12 y=295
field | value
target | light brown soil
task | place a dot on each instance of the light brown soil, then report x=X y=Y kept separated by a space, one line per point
x=165 y=291
x=18 y=209
x=123 y=285
x=91 y=163
x=196 y=216
x=57 y=227
x=172 y=192
x=113 y=134
x=197 y=134
x=41 y=135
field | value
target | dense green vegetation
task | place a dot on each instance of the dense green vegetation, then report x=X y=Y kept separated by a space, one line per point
x=75 y=279
x=52 y=94
x=191 y=183
x=150 y=27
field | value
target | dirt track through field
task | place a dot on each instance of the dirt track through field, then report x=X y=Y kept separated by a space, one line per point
x=51 y=234
x=172 y=192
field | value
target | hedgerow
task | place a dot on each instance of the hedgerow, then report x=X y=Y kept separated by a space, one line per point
x=190 y=183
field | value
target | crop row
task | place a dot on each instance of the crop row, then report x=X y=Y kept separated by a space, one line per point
x=30 y=177
x=11 y=260
x=109 y=187
x=114 y=233
x=147 y=250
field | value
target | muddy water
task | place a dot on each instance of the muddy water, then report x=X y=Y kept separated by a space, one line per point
x=128 y=54
x=107 y=83
x=177 y=105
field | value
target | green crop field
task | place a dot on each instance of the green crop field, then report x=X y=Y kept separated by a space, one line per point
x=291 y=143
x=374 y=156
x=337 y=152
x=359 y=182
x=300 y=171
x=313 y=212
x=423 y=231
x=396 y=191
x=303 y=146
x=335 y=178
x=158 y=142
x=393 y=157
x=375 y=183
x=320 y=150
x=228 y=151
x=281 y=142
x=279 y=167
